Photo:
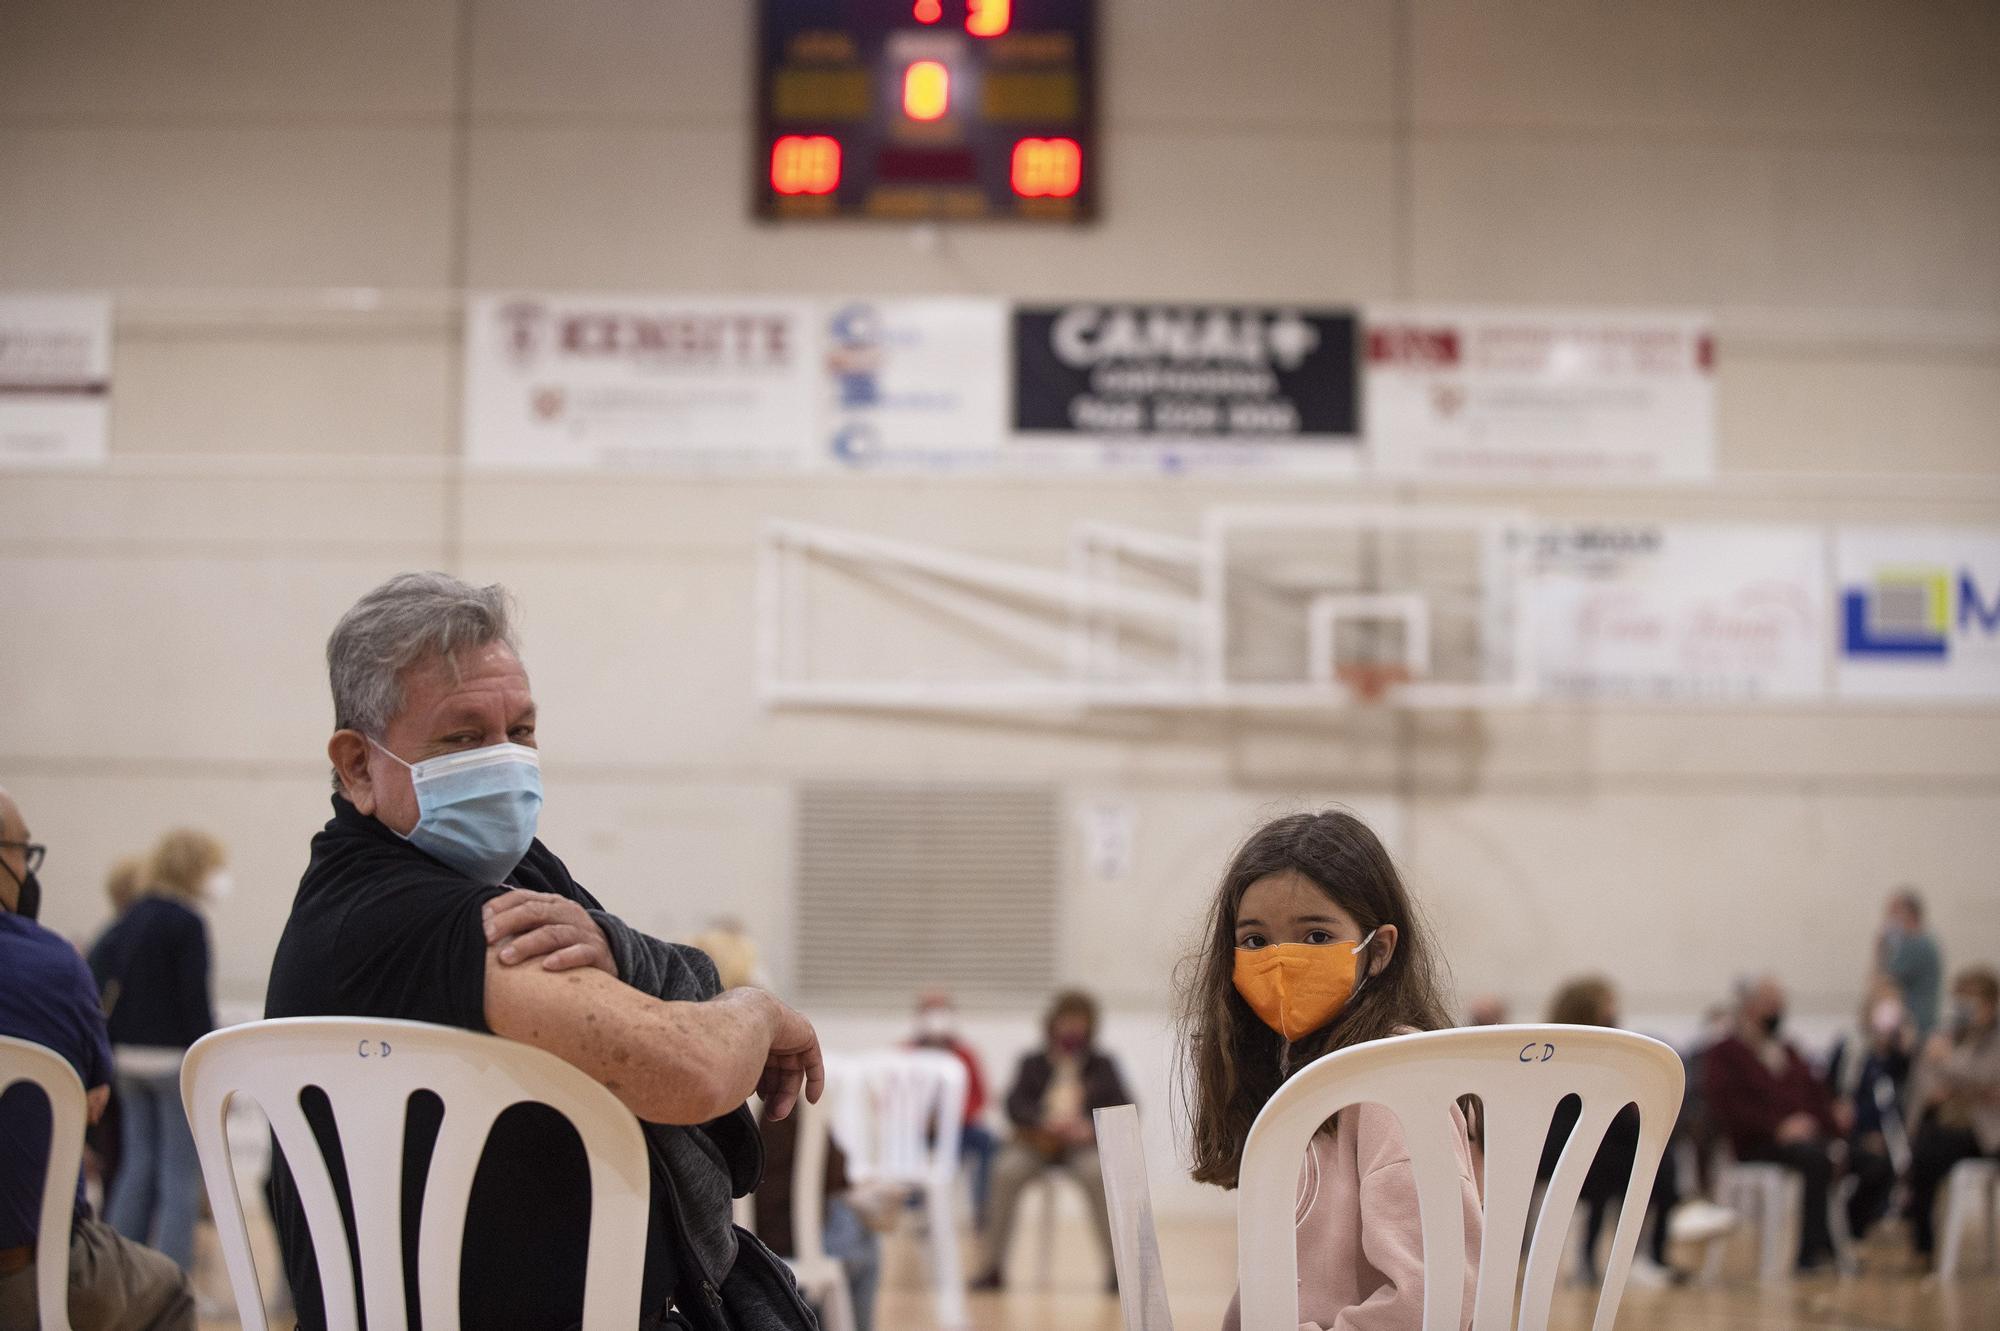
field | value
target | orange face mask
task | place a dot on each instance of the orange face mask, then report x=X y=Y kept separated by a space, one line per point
x=1298 y=987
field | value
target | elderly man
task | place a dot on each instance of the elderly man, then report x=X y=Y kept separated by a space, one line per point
x=428 y=897
x=1766 y=1099
x=48 y=997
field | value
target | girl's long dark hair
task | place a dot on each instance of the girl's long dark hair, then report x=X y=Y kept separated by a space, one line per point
x=1233 y=1060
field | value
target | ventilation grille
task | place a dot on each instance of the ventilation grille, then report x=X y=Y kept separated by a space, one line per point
x=903 y=886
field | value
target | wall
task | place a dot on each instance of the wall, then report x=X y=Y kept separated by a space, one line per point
x=287 y=200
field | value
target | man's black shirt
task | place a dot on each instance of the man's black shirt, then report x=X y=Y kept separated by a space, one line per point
x=381 y=929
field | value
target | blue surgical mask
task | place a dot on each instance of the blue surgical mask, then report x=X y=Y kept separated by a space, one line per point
x=476 y=811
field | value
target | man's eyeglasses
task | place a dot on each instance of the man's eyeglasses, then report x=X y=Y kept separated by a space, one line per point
x=36 y=852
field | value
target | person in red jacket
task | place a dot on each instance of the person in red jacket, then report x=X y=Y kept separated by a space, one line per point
x=1766 y=1100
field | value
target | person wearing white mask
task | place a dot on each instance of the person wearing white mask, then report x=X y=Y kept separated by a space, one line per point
x=937 y=1028
x=153 y=975
x=429 y=898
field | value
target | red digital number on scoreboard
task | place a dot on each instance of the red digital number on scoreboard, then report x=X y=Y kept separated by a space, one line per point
x=805 y=164
x=1047 y=168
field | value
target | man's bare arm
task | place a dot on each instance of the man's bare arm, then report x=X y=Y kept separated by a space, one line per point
x=667 y=1062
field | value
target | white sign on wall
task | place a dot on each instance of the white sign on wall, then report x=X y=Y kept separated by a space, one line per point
x=1919 y=612
x=55 y=379
x=1532 y=397
x=1679 y=613
x=912 y=384
x=638 y=381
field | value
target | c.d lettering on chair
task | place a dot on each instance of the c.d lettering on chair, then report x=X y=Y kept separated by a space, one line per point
x=380 y=1049
x=1528 y=1052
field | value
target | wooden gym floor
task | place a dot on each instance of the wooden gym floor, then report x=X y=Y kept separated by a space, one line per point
x=1200 y=1258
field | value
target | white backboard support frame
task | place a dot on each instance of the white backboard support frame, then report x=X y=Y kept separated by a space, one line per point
x=1140 y=619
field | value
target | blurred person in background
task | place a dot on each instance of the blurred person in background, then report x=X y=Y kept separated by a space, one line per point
x=937 y=1028
x=1593 y=1001
x=152 y=969
x=1486 y=1010
x=851 y=1216
x=1869 y=1069
x=122 y=887
x=1055 y=1091
x=47 y=997
x=1766 y=1101
x=1957 y=1097
x=1908 y=954
x=738 y=960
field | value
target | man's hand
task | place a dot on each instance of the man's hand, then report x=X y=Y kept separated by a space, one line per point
x=793 y=1063
x=1799 y=1127
x=95 y=1101
x=526 y=924
x=1076 y=1132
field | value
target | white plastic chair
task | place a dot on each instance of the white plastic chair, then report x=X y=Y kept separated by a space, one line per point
x=1768 y=1197
x=1972 y=1186
x=898 y=1117
x=26 y=1061
x=821 y=1278
x=1772 y=1198
x=1519 y=1073
x=368 y=1071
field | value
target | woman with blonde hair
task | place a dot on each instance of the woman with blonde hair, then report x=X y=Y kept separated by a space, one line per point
x=152 y=969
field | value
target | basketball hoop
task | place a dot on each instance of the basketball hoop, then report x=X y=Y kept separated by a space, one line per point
x=1370 y=681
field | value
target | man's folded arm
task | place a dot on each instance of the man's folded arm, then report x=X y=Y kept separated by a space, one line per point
x=681 y=1063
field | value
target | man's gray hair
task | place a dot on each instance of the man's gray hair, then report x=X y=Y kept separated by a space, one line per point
x=409 y=618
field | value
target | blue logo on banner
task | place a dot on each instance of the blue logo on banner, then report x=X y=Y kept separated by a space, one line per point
x=1908 y=613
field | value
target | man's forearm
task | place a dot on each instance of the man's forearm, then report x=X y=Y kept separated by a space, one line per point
x=681 y=1063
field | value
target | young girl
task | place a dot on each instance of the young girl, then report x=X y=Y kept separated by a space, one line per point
x=1315 y=898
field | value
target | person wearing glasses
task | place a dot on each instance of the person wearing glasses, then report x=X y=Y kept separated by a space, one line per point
x=47 y=997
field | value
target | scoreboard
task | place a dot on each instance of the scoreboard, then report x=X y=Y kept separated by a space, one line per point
x=926 y=110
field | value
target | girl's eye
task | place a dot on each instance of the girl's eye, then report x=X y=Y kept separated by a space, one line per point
x=1319 y=936
x=1251 y=941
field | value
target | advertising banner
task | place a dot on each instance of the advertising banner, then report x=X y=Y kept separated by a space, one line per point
x=1679 y=613
x=1264 y=387
x=639 y=381
x=913 y=384
x=55 y=379
x=1526 y=397
x=1919 y=612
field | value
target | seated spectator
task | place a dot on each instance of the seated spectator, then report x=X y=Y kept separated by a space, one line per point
x=1592 y=1001
x=1050 y=1104
x=1769 y=1106
x=428 y=897
x=152 y=970
x=46 y=996
x=937 y=1028
x=1957 y=1097
x=848 y=1221
x=1868 y=1071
